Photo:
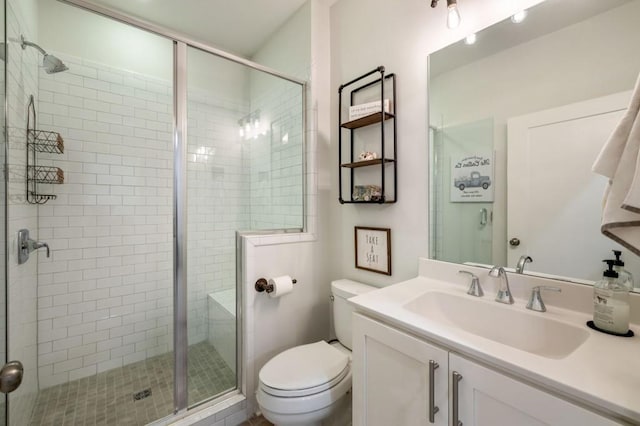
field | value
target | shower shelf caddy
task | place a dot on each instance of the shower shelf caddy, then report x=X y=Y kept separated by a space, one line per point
x=45 y=142
x=386 y=166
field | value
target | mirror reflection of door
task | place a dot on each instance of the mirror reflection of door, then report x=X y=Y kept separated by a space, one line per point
x=552 y=190
x=470 y=222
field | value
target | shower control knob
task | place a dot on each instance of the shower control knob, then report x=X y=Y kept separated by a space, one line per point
x=514 y=242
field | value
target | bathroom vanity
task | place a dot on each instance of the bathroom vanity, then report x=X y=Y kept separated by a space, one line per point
x=426 y=352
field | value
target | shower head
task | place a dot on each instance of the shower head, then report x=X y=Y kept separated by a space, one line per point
x=53 y=65
x=50 y=63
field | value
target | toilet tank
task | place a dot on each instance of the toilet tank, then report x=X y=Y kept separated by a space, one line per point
x=342 y=310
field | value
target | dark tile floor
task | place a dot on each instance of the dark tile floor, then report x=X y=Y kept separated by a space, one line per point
x=107 y=398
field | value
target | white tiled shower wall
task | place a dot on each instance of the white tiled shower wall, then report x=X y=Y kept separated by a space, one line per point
x=277 y=159
x=105 y=295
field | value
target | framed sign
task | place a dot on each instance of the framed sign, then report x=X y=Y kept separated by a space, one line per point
x=373 y=249
x=472 y=178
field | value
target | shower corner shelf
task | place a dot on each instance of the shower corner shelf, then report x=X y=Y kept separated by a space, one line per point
x=46 y=142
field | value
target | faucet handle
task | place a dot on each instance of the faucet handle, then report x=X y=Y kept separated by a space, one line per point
x=474 y=288
x=535 y=301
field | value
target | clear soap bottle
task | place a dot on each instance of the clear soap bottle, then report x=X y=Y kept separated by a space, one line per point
x=623 y=275
x=611 y=302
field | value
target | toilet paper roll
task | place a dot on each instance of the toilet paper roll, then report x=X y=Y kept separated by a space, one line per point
x=281 y=285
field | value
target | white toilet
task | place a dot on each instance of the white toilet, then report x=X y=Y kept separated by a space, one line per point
x=309 y=383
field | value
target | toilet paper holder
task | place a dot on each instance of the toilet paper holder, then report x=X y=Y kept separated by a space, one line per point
x=263 y=285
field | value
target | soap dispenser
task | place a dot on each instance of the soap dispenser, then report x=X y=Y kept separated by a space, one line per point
x=623 y=275
x=611 y=302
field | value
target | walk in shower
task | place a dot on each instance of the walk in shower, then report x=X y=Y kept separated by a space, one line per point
x=140 y=156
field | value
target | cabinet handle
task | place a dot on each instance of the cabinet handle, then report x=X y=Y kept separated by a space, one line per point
x=456 y=378
x=432 y=385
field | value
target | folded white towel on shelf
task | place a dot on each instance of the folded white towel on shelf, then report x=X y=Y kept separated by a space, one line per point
x=619 y=161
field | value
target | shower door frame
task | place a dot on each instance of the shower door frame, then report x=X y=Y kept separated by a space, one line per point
x=181 y=43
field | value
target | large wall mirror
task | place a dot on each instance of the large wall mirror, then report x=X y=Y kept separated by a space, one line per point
x=516 y=121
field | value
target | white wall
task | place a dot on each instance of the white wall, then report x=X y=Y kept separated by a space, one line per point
x=398 y=35
x=590 y=59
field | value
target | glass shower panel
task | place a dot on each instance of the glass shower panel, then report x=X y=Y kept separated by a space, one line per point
x=217 y=206
x=245 y=172
x=94 y=320
x=275 y=152
x=3 y=218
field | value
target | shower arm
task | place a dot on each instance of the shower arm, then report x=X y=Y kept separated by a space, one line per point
x=24 y=43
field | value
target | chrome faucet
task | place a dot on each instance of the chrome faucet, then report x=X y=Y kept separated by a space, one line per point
x=504 y=292
x=26 y=245
x=474 y=287
x=535 y=301
x=521 y=262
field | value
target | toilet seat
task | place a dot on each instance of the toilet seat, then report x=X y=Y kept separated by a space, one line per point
x=304 y=370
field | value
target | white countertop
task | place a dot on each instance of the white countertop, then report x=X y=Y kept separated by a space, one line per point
x=604 y=372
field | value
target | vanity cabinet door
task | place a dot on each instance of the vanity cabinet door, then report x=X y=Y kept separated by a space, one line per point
x=391 y=377
x=488 y=398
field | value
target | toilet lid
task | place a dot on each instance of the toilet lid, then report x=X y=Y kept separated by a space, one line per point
x=304 y=367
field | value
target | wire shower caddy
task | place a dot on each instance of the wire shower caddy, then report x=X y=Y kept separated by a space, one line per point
x=46 y=142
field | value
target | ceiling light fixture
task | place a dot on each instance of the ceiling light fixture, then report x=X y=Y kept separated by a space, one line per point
x=453 y=14
x=470 y=39
x=518 y=17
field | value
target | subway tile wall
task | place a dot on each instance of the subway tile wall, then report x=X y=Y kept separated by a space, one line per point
x=105 y=296
x=277 y=158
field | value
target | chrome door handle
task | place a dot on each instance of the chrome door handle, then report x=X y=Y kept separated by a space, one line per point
x=11 y=376
x=432 y=399
x=454 y=398
x=483 y=217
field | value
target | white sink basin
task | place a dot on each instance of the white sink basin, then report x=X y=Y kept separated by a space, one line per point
x=527 y=331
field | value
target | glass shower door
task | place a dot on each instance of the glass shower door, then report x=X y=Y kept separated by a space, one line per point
x=467 y=222
x=244 y=172
x=3 y=217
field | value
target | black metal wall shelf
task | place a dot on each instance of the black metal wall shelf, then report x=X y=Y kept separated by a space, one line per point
x=366 y=120
x=365 y=163
x=386 y=164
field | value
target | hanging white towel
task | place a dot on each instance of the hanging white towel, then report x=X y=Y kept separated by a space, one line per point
x=619 y=160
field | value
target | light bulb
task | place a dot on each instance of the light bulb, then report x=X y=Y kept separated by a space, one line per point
x=453 y=15
x=470 y=39
x=519 y=16
x=241 y=131
x=256 y=123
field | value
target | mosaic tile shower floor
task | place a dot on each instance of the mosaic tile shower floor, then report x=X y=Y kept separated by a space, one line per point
x=107 y=398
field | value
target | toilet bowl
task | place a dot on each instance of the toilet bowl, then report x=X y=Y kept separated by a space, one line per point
x=310 y=383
